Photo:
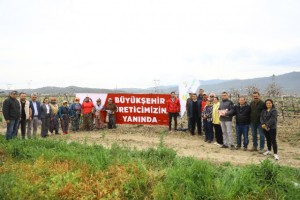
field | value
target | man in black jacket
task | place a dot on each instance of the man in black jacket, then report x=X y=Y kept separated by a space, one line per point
x=194 y=114
x=11 y=112
x=242 y=113
x=226 y=110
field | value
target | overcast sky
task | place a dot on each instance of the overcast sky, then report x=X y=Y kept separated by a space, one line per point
x=119 y=43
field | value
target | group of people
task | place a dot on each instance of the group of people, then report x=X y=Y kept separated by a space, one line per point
x=204 y=111
x=27 y=115
x=215 y=117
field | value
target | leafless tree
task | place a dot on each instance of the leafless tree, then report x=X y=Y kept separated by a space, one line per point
x=252 y=88
x=273 y=89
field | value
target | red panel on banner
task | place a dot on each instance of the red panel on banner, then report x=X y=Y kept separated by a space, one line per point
x=140 y=108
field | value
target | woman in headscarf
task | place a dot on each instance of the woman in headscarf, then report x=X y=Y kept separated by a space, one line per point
x=75 y=113
x=111 y=110
x=98 y=120
x=64 y=116
x=54 y=125
x=87 y=111
x=45 y=117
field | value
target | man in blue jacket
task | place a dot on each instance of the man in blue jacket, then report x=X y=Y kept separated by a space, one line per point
x=35 y=107
x=11 y=112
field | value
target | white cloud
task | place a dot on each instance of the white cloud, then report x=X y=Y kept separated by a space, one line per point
x=129 y=43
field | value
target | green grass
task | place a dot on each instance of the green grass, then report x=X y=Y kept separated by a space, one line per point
x=54 y=169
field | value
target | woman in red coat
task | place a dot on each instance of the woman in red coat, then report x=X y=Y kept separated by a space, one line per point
x=87 y=111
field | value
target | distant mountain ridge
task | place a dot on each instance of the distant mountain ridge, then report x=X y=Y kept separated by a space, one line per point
x=289 y=83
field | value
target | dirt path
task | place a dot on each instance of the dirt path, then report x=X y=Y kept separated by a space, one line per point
x=143 y=137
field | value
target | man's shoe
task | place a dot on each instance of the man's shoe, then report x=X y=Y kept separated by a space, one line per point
x=261 y=151
x=267 y=153
x=224 y=146
x=237 y=147
x=253 y=149
x=276 y=157
x=232 y=147
x=245 y=148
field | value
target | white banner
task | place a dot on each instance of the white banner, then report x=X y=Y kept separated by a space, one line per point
x=93 y=96
x=184 y=88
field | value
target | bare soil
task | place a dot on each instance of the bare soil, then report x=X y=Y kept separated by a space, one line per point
x=143 y=137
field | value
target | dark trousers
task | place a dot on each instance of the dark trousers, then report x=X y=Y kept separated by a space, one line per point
x=189 y=124
x=271 y=139
x=194 y=121
x=208 y=127
x=23 y=123
x=112 y=121
x=173 y=115
x=218 y=133
x=45 y=125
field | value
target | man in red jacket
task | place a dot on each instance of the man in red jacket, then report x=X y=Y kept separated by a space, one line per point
x=173 y=109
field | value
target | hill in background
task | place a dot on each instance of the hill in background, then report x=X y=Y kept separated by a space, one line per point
x=289 y=84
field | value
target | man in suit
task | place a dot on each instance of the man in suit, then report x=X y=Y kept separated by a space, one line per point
x=194 y=114
x=35 y=119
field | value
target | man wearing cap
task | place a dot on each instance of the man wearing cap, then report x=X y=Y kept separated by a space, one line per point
x=35 y=120
x=11 y=112
x=75 y=113
x=111 y=109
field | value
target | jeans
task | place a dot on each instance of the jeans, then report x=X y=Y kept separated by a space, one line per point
x=227 y=132
x=254 y=128
x=242 y=130
x=209 y=134
x=12 y=129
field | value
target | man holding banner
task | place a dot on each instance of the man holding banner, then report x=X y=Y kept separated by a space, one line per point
x=173 y=109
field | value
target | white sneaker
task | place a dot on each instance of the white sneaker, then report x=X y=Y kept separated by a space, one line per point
x=267 y=153
x=276 y=157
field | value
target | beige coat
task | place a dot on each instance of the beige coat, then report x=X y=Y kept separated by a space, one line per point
x=27 y=109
